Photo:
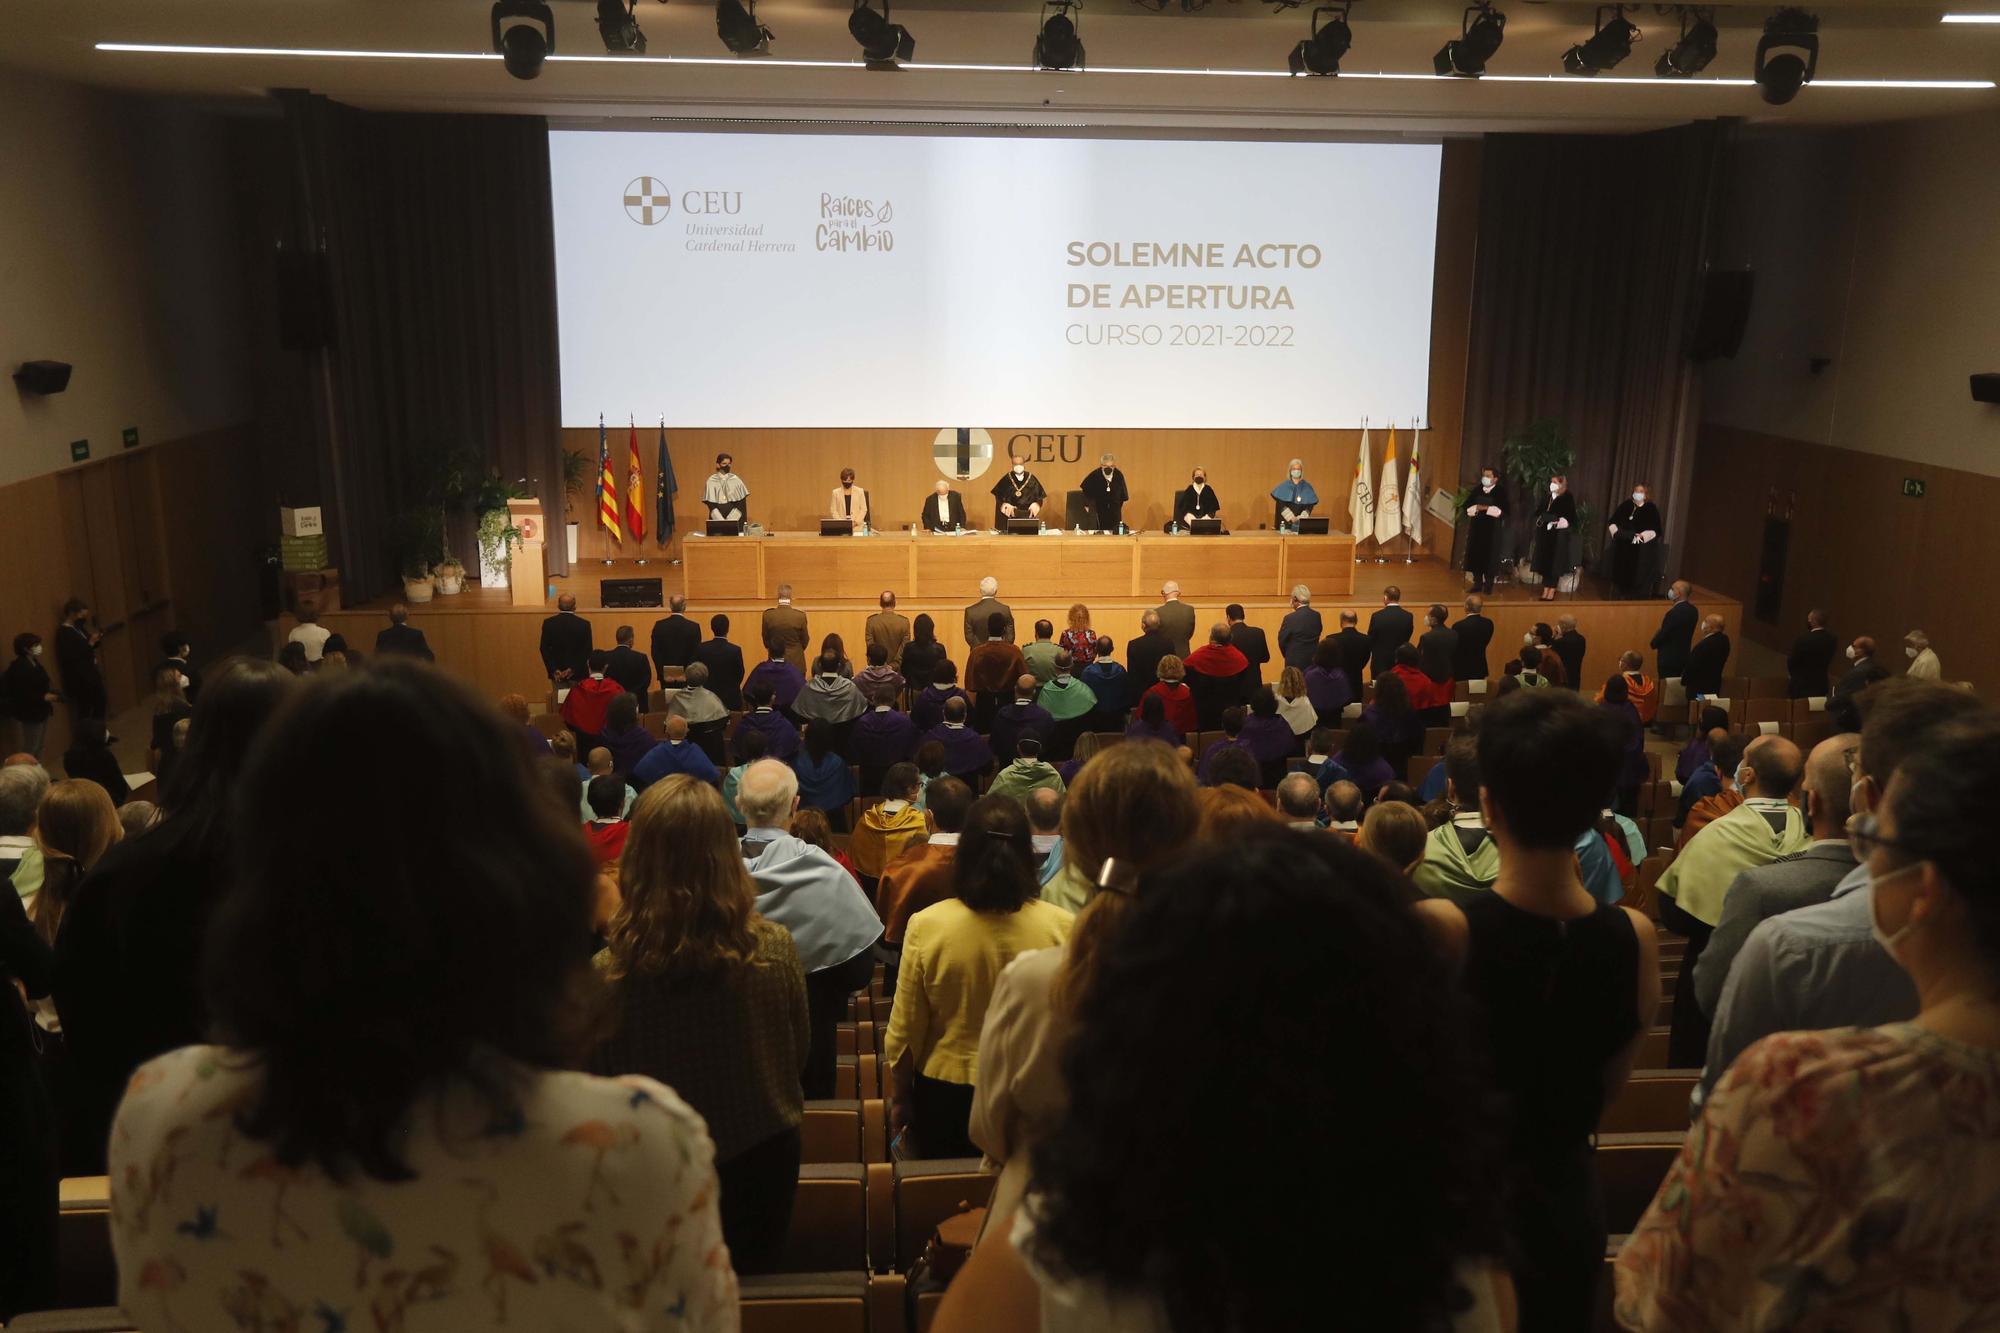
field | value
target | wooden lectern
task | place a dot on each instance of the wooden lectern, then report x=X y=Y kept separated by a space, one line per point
x=528 y=580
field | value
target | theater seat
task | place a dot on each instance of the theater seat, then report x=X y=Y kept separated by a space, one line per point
x=1653 y=1100
x=829 y=1231
x=93 y=1319
x=1630 y=1168
x=831 y=1132
x=831 y=1302
x=1652 y=1050
x=86 y=1272
x=927 y=1192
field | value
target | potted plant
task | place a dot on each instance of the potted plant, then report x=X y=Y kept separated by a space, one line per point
x=576 y=470
x=413 y=536
x=450 y=576
x=1531 y=456
x=496 y=531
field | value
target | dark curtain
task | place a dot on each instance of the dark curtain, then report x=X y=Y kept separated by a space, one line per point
x=439 y=288
x=1590 y=255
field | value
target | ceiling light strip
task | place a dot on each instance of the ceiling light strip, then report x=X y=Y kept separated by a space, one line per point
x=1970 y=18
x=149 y=48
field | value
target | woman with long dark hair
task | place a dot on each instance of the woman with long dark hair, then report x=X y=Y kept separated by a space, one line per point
x=382 y=1125
x=1374 y=1209
x=710 y=998
x=953 y=954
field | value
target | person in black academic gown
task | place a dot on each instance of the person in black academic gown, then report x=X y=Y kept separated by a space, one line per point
x=1195 y=500
x=1555 y=528
x=1018 y=494
x=1485 y=507
x=1104 y=494
x=1812 y=654
x=1635 y=527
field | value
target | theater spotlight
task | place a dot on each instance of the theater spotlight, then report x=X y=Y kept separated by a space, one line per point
x=1781 y=76
x=1057 y=46
x=524 y=32
x=1694 y=50
x=1465 y=55
x=1611 y=43
x=619 y=26
x=736 y=24
x=1321 y=52
x=882 y=42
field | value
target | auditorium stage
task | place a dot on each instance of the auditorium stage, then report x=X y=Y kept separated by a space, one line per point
x=480 y=636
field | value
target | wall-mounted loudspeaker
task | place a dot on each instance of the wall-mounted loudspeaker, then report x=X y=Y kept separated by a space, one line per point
x=42 y=377
x=1986 y=388
x=1724 y=310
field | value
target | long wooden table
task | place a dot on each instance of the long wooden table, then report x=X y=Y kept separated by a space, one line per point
x=1058 y=564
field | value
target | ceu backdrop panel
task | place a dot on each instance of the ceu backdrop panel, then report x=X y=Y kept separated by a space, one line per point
x=771 y=280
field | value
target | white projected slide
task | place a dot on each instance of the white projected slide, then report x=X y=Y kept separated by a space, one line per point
x=769 y=280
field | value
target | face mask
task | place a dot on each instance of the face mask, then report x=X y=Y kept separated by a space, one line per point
x=1108 y=470
x=1201 y=481
x=35 y=651
x=1909 y=652
x=722 y=467
x=1884 y=938
x=1296 y=474
x=1020 y=471
x=1486 y=483
x=597 y=675
x=1850 y=652
x=1638 y=497
x=1554 y=489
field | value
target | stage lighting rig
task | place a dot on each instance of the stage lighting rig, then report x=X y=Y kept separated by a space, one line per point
x=1480 y=34
x=882 y=42
x=1696 y=47
x=736 y=24
x=1611 y=43
x=1789 y=32
x=618 y=25
x=1321 y=53
x=1057 y=45
x=524 y=32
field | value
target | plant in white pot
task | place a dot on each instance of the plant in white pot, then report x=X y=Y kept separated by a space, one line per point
x=413 y=537
x=450 y=576
x=497 y=538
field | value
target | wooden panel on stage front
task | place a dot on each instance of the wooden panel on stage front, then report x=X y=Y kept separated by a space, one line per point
x=1241 y=565
x=1324 y=565
x=833 y=567
x=724 y=567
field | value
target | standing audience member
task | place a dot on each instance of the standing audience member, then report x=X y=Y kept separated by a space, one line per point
x=927 y=709
x=1069 y=703
x=76 y=658
x=1361 y=760
x=1250 y=641
x=588 y=703
x=702 y=709
x=627 y=667
x=1175 y=697
x=1407 y=1234
x=131 y=948
x=378 y=1076
x=724 y=661
x=1040 y=655
x=1299 y=632
x=835 y=647
x=1923 y=661
x=1396 y=833
x=1345 y=805
x=778 y=675
x=1388 y=629
x=26 y=696
x=674 y=638
x=89 y=756
x=606 y=830
x=810 y=894
x=785 y=633
x=1569 y=646
x=1328 y=685
x=749 y=750
x=1846 y=1178
x=1078 y=639
x=566 y=643
x=831 y=698
x=1640 y=689
x=1567 y=985
x=826 y=783
x=22 y=786
x=1474 y=632
x=1298 y=801
x=624 y=736
x=1398 y=729
x=921 y=655
x=1615 y=700
x=1176 y=618
x=1354 y=651
x=966 y=753
x=1461 y=859
x=878 y=675
x=310 y=632
x=888 y=827
x=75 y=826
x=953 y=953
x=1028 y=773
x=1108 y=688
x=1695 y=754
x=978 y=616
x=1811 y=658
x=992 y=668
x=921 y=874
x=881 y=738
x=1268 y=737
x=514 y=707
x=1702 y=676
x=31 y=1166
x=1670 y=642
x=1437 y=650
x=781 y=738
x=1021 y=718
x=1044 y=806
x=709 y=998
x=1217 y=673
x=1295 y=703
x=675 y=754
x=888 y=629
x=1842 y=705
x=1144 y=654
x=809 y=826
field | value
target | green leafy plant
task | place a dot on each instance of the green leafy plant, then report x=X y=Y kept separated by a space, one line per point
x=497 y=536
x=415 y=536
x=1537 y=452
x=576 y=470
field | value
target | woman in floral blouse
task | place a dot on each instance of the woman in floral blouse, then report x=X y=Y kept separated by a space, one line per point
x=383 y=1139
x=1850 y=1179
x=1079 y=640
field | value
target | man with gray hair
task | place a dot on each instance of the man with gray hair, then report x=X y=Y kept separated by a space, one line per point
x=810 y=894
x=22 y=786
x=785 y=632
x=1298 y=800
x=1176 y=618
x=675 y=637
x=978 y=615
x=1299 y=632
x=695 y=701
x=1104 y=495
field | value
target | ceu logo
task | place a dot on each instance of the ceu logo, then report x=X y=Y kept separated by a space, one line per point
x=648 y=201
x=962 y=452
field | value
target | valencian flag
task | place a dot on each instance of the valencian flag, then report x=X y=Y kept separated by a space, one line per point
x=664 y=488
x=1413 y=494
x=1360 y=500
x=607 y=488
x=635 y=493
x=1388 y=498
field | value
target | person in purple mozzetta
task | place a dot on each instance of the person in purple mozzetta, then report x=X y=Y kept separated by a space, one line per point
x=966 y=754
x=784 y=679
x=1018 y=719
x=882 y=738
x=1328 y=685
x=781 y=738
x=878 y=674
x=1152 y=724
x=1232 y=739
x=1267 y=736
x=928 y=710
x=1362 y=759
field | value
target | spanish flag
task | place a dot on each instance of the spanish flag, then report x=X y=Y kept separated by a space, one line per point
x=635 y=492
x=607 y=488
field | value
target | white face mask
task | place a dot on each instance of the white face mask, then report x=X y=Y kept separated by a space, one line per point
x=597 y=675
x=1555 y=488
x=35 y=651
x=1020 y=470
x=1638 y=497
x=1486 y=483
x=1850 y=652
x=1886 y=939
x=1909 y=651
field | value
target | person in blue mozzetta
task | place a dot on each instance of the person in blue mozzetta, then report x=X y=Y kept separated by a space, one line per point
x=1295 y=495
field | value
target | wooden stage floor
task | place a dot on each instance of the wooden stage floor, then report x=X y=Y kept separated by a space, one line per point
x=479 y=635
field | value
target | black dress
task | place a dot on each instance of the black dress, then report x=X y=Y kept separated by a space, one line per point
x=1482 y=534
x=1106 y=497
x=1186 y=502
x=1630 y=563
x=1551 y=555
x=1561 y=1004
x=1018 y=493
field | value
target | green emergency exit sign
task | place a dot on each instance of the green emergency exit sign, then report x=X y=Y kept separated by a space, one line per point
x=79 y=450
x=1913 y=487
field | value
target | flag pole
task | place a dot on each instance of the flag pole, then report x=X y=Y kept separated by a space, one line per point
x=1409 y=536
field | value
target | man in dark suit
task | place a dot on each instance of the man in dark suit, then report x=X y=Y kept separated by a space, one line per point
x=1437 y=651
x=674 y=636
x=566 y=642
x=1702 y=673
x=945 y=510
x=1354 y=652
x=175 y=648
x=1388 y=629
x=1475 y=632
x=1249 y=641
x=1298 y=634
x=1670 y=644
x=628 y=666
x=401 y=639
x=977 y=616
x=724 y=661
x=1143 y=654
x=1811 y=658
x=1841 y=705
x=76 y=659
x=1569 y=646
